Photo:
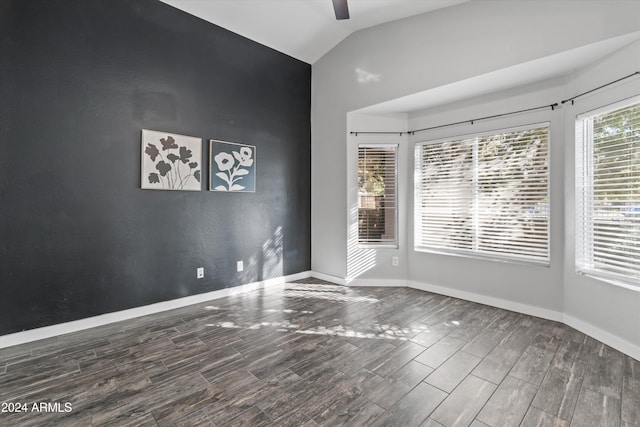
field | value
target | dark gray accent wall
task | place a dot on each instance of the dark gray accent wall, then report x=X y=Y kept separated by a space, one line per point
x=79 y=79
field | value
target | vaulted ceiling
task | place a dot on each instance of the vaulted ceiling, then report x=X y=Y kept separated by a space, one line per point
x=303 y=29
x=308 y=29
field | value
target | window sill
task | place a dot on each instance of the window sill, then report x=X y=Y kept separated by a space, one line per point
x=610 y=281
x=481 y=257
x=375 y=246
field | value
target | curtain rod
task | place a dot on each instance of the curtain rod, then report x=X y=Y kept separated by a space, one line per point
x=599 y=87
x=380 y=133
x=471 y=121
x=552 y=106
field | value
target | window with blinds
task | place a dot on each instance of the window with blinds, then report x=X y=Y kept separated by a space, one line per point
x=608 y=192
x=377 y=194
x=486 y=195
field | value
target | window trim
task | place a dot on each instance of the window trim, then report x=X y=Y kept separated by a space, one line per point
x=580 y=142
x=510 y=258
x=395 y=243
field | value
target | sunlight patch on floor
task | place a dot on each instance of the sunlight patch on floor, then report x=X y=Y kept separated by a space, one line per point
x=331 y=296
x=316 y=287
x=375 y=331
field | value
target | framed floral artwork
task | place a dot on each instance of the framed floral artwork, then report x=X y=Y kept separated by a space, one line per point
x=232 y=167
x=171 y=161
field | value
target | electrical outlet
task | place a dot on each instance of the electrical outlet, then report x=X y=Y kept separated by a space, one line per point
x=394 y=261
x=239 y=266
x=200 y=272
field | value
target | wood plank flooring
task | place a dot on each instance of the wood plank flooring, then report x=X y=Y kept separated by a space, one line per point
x=312 y=353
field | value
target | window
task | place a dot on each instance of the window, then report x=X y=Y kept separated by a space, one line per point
x=486 y=195
x=608 y=192
x=377 y=189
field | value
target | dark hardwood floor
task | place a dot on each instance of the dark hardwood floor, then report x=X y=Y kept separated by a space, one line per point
x=312 y=353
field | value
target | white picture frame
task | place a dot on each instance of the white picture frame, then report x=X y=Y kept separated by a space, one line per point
x=170 y=161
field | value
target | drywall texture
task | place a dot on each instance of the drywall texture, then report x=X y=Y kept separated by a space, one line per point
x=369 y=262
x=428 y=51
x=424 y=52
x=79 y=79
x=610 y=311
x=534 y=285
x=611 y=308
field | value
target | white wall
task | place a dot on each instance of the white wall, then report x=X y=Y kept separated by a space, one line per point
x=370 y=266
x=537 y=286
x=424 y=52
x=600 y=305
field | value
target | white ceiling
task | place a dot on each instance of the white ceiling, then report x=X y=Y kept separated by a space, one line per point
x=307 y=29
x=303 y=29
x=549 y=67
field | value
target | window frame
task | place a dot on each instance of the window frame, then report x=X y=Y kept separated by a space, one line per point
x=584 y=153
x=384 y=244
x=472 y=253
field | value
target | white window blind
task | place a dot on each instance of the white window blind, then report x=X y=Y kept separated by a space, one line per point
x=377 y=194
x=486 y=195
x=608 y=192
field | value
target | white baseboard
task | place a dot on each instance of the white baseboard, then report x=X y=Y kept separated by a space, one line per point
x=487 y=300
x=605 y=337
x=378 y=283
x=333 y=279
x=104 y=319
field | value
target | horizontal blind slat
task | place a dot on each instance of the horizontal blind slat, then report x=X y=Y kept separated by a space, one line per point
x=377 y=190
x=608 y=192
x=475 y=187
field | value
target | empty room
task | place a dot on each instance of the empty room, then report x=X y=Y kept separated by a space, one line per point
x=436 y=218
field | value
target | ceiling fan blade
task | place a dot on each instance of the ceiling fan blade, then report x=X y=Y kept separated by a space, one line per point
x=341 y=8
